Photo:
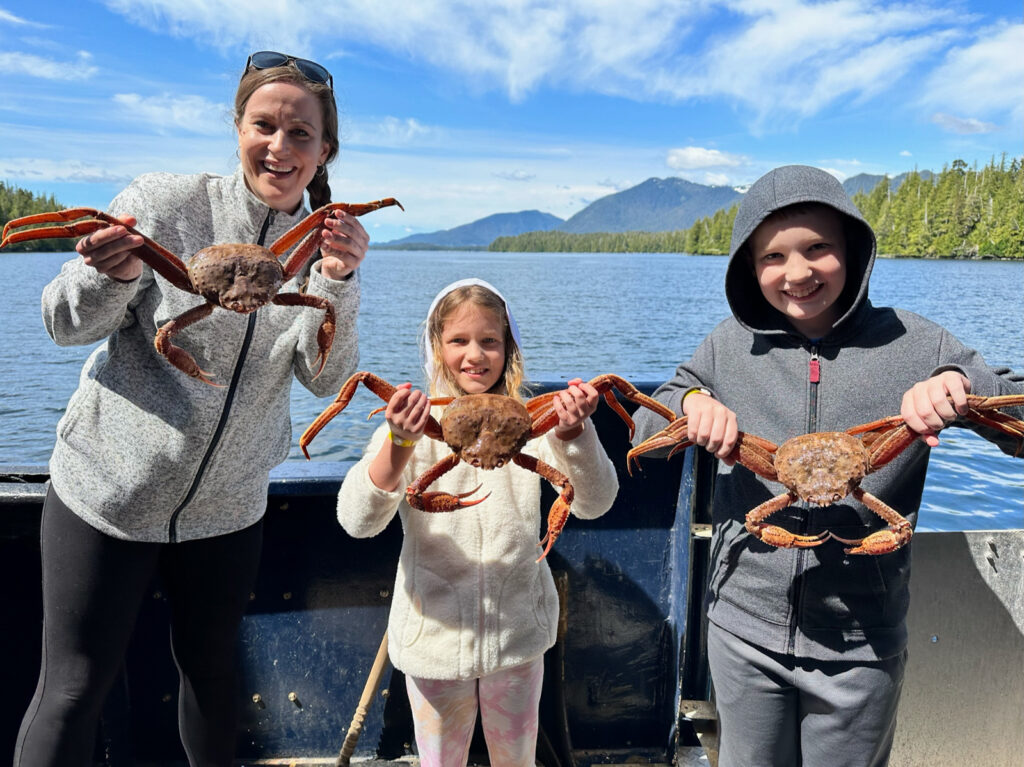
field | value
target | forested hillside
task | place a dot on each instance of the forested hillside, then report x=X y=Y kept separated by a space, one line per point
x=960 y=212
x=15 y=203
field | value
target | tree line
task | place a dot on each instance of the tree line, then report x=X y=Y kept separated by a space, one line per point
x=16 y=202
x=961 y=212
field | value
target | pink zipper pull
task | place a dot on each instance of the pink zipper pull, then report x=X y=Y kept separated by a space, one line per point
x=815 y=367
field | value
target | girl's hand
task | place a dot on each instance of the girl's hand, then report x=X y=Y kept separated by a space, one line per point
x=110 y=251
x=925 y=408
x=343 y=245
x=711 y=424
x=573 y=406
x=407 y=412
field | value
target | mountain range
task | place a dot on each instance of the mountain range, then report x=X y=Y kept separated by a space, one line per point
x=656 y=205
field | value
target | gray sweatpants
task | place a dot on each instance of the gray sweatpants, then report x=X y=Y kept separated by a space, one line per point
x=780 y=711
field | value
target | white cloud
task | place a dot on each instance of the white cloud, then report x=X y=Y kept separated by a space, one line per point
x=781 y=60
x=32 y=169
x=172 y=114
x=906 y=153
x=6 y=17
x=982 y=79
x=16 y=62
x=962 y=125
x=695 y=158
x=515 y=175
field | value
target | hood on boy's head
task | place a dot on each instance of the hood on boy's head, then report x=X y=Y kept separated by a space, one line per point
x=778 y=188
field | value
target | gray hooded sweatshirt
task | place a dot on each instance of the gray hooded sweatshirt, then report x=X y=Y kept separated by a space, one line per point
x=816 y=603
x=143 y=451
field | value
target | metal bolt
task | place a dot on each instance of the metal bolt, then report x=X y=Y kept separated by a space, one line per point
x=287 y=595
x=157 y=595
x=258 y=700
x=384 y=593
x=385 y=693
x=167 y=697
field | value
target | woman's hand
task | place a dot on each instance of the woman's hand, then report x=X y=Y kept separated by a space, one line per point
x=343 y=245
x=925 y=408
x=573 y=406
x=711 y=424
x=407 y=412
x=110 y=251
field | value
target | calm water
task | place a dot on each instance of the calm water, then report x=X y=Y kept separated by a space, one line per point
x=636 y=315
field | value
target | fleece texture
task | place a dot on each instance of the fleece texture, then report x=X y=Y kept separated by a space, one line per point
x=469 y=597
x=143 y=451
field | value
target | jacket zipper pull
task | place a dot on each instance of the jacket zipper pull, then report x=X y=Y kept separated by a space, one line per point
x=814 y=367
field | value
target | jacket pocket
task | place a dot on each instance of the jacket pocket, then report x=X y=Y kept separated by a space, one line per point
x=434 y=614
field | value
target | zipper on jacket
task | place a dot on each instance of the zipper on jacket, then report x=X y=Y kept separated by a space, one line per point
x=813 y=380
x=250 y=328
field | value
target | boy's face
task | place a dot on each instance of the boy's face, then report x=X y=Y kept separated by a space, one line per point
x=800 y=264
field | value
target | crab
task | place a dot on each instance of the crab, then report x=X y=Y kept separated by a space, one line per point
x=488 y=431
x=825 y=467
x=241 y=277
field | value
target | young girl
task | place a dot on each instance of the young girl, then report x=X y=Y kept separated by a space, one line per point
x=473 y=612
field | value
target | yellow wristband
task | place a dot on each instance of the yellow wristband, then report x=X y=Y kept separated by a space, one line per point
x=399 y=441
x=698 y=390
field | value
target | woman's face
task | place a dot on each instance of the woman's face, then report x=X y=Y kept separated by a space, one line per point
x=280 y=141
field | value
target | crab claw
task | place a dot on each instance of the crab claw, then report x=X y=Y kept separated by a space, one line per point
x=438 y=501
x=783 y=539
x=557 y=517
x=883 y=542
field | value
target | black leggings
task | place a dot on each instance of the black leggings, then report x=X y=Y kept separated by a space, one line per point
x=93 y=586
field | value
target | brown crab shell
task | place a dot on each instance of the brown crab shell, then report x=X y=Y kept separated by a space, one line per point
x=486 y=430
x=822 y=468
x=241 y=277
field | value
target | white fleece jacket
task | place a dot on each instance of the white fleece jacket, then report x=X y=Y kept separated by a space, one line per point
x=469 y=598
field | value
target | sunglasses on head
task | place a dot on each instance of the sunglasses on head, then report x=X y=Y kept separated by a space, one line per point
x=309 y=69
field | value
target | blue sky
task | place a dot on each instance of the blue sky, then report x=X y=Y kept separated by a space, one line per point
x=464 y=109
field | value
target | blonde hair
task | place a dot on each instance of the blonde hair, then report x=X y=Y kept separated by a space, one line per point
x=318 y=189
x=443 y=383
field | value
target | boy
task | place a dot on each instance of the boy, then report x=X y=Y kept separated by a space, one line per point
x=807 y=646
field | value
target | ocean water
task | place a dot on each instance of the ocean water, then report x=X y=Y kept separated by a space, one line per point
x=637 y=315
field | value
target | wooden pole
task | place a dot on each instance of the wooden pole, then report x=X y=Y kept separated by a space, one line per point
x=369 y=690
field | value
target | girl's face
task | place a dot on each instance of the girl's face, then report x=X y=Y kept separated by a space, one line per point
x=473 y=348
x=280 y=141
x=800 y=263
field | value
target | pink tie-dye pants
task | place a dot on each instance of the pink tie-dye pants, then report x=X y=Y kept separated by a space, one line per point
x=444 y=713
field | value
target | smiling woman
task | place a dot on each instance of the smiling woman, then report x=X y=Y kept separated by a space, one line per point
x=117 y=515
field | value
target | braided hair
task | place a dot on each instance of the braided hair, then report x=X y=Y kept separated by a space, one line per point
x=318 y=188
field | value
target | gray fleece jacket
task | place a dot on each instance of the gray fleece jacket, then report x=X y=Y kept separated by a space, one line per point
x=816 y=603
x=143 y=451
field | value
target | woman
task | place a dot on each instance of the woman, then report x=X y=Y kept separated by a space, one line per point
x=154 y=471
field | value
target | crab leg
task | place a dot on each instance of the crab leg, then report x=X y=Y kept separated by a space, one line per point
x=307 y=231
x=544 y=417
x=325 y=335
x=438 y=501
x=559 y=512
x=155 y=255
x=777 y=536
x=897 y=535
x=377 y=385
x=177 y=356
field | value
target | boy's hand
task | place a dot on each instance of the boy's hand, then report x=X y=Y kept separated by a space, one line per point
x=573 y=406
x=711 y=424
x=925 y=408
x=407 y=412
